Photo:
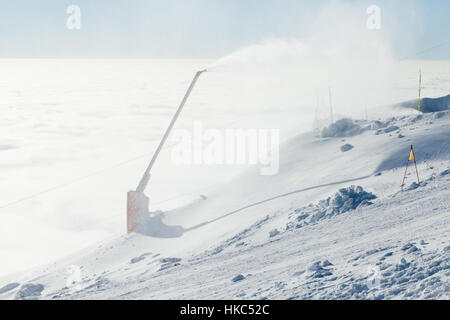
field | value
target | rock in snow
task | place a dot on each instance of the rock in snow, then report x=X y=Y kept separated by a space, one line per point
x=346 y=199
x=391 y=129
x=273 y=233
x=341 y=128
x=346 y=147
x=29 y=291
x=238 y=278
x=318 y=270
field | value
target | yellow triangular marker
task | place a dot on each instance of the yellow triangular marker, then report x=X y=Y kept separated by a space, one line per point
x=411 y=155
x=411 y=158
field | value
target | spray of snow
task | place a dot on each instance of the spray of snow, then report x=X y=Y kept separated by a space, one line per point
x=354 y=61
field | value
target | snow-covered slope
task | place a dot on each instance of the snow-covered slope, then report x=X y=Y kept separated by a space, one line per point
x=304 y=233
x=429 y=104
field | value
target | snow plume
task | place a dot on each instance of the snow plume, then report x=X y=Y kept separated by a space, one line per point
x=261 y=55
x=340 y=53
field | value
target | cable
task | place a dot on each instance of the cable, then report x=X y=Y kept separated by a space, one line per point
x=428 y=49
x=68 y=183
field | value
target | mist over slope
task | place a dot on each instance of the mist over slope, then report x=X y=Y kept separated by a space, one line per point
x=332 y=224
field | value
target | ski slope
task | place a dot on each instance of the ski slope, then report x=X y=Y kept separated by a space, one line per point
x=301 y=234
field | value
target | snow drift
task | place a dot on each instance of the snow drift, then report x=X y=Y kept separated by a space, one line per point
x=428 y=105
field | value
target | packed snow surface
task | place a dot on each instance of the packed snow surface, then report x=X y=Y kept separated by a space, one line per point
x=330 y=225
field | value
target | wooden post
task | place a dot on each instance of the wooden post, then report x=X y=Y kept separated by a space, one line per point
x=411 y=157
x=404 y=177
x=415 y=164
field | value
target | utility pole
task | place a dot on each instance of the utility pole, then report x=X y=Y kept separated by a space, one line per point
x=420 y=87
x=331 y=105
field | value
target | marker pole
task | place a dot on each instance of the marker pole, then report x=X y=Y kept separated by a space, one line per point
x=404 y=177
x=415 y=164
x=420 y=87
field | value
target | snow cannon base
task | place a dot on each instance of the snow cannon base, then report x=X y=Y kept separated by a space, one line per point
x=137 y=210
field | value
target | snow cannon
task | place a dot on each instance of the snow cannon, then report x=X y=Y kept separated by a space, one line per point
x=137 y=201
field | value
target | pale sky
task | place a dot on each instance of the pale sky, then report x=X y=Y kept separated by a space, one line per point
x=203 y=28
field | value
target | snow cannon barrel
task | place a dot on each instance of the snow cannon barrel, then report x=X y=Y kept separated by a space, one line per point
x=137 y=201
